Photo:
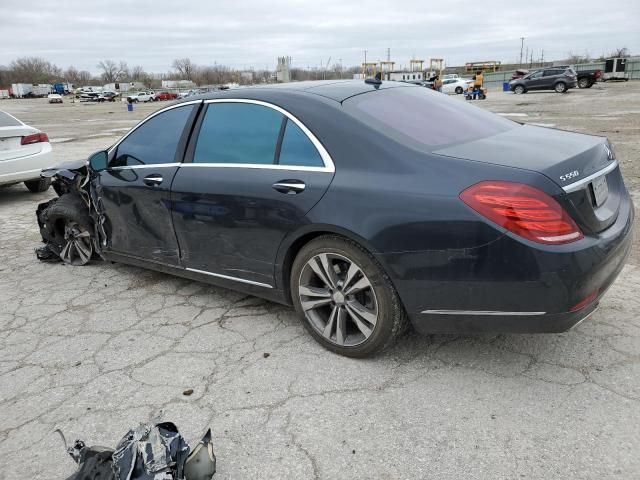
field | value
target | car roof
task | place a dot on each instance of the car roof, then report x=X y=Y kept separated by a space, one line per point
x=338 y=90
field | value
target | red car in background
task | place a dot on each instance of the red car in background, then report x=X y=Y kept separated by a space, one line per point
x=166 y=96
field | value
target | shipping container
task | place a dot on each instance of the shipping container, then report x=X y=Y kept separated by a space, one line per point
x=21 y=90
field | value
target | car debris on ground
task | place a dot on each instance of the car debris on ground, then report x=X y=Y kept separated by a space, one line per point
x=152 y=451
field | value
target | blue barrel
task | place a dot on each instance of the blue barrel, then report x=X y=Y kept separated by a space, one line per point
x=505 y=86
x=130 y=107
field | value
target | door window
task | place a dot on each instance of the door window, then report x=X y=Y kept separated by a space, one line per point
x=297 y=148
x=241 y=133
x=535 y=76
x=155 y=141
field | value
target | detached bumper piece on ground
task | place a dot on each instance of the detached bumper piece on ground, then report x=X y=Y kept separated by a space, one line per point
x=148 y=452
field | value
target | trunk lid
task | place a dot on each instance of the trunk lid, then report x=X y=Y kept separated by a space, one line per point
x=582 y=165
x=10 y=138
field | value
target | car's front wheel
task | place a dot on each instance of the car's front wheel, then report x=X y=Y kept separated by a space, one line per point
x=560 y=87
x=519 y=89
x=345 y=299
x=70 y=227
x=459 y=90
x=38 y=186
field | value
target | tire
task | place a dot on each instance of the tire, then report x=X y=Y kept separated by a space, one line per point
x=350 y=305
x=584 y=83
x=459 y=90
x=519 y=89
x=560 y=87
x=38 y=186
x=70 y=229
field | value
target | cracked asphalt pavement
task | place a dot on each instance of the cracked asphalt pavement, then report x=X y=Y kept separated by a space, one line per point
x=95 y=350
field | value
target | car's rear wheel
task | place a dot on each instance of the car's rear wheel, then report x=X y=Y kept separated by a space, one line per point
x=38 y=186
x=459 y=90
x=344 y=298
x=70 y=227
x=519 y=89
x=583 y=83
x=560 y=87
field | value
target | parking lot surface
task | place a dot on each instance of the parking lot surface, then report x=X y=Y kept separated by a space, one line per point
x=95 y=350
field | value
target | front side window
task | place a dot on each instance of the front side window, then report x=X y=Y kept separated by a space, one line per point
x=241 y=133
x=155 y=141
x=297 y=149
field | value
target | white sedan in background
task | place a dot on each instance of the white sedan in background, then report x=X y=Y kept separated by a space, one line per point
x=456 y=85
x=24 y=152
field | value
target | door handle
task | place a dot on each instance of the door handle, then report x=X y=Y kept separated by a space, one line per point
x=290 y=187
x=153 y=179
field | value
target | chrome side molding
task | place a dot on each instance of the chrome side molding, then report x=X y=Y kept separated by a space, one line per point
x=481 y=312
x=227 y=277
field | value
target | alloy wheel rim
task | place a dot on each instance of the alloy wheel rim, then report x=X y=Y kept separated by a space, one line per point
x=77 y=249
x=338 y=299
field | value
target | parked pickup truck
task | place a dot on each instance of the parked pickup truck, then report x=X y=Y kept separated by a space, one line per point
x=166 y=96
x=141 y=97
x=586 y=78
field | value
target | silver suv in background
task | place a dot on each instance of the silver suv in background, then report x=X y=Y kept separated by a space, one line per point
x=559 y=79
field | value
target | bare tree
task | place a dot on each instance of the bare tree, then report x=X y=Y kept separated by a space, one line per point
x=620 y=53
x=112 y=72
x=138 y=74
x=184 y=67
x=34 y=70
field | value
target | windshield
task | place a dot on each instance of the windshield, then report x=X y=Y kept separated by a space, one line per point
x=421 y=118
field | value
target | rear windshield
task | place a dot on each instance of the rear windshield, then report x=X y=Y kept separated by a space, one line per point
x=8 y=121
x=423 y=118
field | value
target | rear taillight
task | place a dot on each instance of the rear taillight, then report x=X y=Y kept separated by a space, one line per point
x=598 y=74
x=34 y=138
x=585 y=301
x=523 y=210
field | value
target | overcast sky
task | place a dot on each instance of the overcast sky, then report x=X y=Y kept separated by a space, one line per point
x=253 y=33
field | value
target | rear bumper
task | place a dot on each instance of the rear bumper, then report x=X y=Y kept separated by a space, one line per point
x=511 y=285
x=25 y=168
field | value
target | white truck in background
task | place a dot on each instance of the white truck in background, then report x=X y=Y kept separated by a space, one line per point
x=21 y=90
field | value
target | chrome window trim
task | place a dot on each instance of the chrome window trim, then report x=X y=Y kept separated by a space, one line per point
x=481 y=312
x=150 y=165
x=227 y=277
x=255 y=165
x=575 y=186
x=145 y=120
x=329 y=166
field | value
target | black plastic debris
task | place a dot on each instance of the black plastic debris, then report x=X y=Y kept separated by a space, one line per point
x=154 y=451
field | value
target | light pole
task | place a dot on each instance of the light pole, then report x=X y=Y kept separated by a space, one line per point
x=521 y=48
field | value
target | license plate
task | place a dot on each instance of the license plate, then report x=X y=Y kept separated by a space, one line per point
x=600 y=190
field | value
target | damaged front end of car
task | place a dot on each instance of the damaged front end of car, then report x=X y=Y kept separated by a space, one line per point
x=72 y=224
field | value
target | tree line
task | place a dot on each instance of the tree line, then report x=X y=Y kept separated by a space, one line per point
x=36 y=70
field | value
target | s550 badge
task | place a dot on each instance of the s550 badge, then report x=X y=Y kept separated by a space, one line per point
x=569 y=176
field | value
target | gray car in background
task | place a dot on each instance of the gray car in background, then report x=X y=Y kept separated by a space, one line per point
x=559 y=79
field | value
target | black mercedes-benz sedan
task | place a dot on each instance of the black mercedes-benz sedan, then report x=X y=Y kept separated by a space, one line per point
x=365 y=205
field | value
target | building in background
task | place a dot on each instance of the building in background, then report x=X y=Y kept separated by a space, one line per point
x=283 y=70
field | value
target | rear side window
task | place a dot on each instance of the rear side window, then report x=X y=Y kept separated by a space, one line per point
x=155 y=141
x=297 y=148
x=238 y=133
x=423 y=118
x=8 y=121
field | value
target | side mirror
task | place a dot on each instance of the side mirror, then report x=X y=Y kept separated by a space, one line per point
x=99 y=160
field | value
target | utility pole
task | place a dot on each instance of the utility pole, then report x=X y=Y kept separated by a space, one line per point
x=521 y=49
x=542 y=60
x=388 y=54
x=526 y=56
x=531 y=59
x=365 y=56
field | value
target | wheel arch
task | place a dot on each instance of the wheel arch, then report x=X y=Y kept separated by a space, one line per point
x=293 y=243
